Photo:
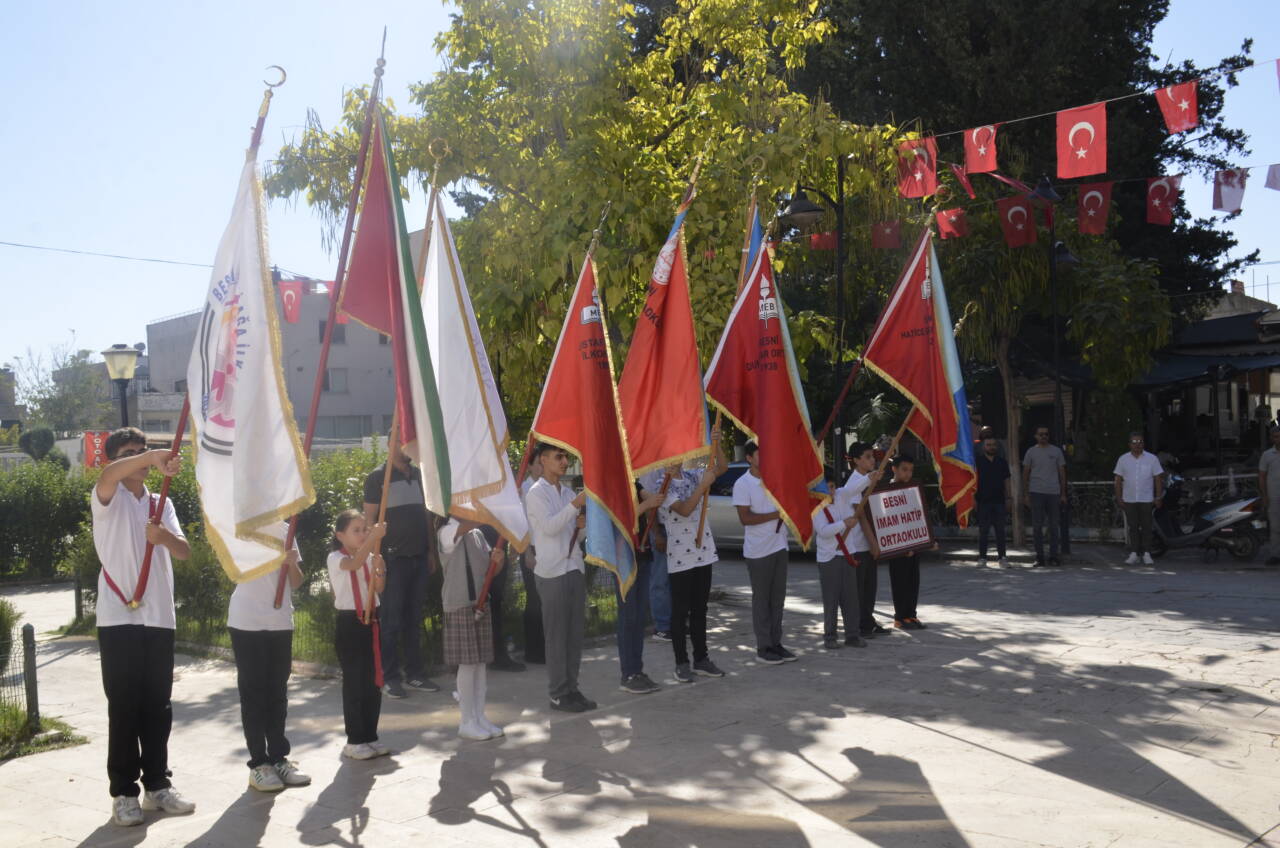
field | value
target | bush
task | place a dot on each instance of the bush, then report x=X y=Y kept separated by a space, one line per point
x=40 y=509
x=9 y=617
x=36 y=443
x=338 y=478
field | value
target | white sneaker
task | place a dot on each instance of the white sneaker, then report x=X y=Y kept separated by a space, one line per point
x=358 y=752
x=289 y=775
x=265 y=779
x=493 y=730
x=473 y=731
x=1147 y=560
x=1004 y=562
x=167 y=800
x=125 y=811
x=1132 y=560
x=379 y=749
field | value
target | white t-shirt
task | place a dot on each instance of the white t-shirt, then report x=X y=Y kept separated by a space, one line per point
x=341 y=582
x=552 y=517
x=1139 y=473
x=758 y=540
x=826 y=530
x=120 y=538
x=253 y=603
x=682 y=530
x=847 y=497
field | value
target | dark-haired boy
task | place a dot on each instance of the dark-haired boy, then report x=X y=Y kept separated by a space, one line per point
x=135 y=641
x=860 y=482
x=764 y=547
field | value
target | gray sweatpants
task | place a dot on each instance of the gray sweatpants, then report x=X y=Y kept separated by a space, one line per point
x=564 y=618
x=839 y=582
x=1137 y=518
x=768 y=593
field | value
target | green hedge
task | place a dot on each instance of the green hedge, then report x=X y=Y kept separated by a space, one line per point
x=40 y=508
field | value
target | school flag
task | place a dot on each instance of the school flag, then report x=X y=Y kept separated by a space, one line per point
x=579 y=411
x=381 y=292
x=661 y=383
x=753 y=380
x=914 y=349
x=475 y=426
x=249 y=464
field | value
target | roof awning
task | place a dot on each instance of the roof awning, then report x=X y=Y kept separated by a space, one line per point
x=1179 y=368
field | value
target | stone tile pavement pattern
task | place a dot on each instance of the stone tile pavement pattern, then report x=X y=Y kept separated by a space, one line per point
x=1092 y=705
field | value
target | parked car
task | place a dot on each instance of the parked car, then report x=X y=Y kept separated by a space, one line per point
x=722 y=515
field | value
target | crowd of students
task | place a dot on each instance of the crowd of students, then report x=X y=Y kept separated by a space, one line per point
x=378 y=575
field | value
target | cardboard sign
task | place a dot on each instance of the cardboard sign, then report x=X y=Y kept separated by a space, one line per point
x=95 y=442
x=895 y=522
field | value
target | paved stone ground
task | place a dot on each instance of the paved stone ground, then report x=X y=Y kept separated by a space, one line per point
x=1092 y=705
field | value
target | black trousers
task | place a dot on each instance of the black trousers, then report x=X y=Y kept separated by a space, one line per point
x=497 y=599
x=867 y=579
x=535 y=649
x=400 y=617
x=361 y=697
x=690 y=591
x=264 y=659
x=137 y=676
x=904 y=580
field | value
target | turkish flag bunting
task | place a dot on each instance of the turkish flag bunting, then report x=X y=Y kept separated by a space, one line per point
x=963 y=178
x=887 y=235
x=952 y=223
x=291 y=299
x=918 y=167
x=1082 y=141
x=343 y=318
x=1092 y=208
x=1228 y=189
x=1162 y=196
x=1178 y=105
x=1015 y=221
x=980 y=149
x=822 y=241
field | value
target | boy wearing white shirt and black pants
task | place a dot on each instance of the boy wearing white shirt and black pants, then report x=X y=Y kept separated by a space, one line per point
x=135 y=643
x=859 y=483
x=1139 y=483
x=764 y=547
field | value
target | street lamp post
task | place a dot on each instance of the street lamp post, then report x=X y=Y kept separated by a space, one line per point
x=122 y=361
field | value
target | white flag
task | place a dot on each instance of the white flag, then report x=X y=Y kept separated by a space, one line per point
x=1228 y=189
x=475 y=426
x=1273 y=177
x=249 y=462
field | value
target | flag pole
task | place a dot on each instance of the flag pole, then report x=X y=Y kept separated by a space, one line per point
x=338 y=282
x=145 y=573
x=706 y=496
x=382 y=505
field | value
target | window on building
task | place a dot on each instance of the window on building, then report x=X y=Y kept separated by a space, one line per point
x=335 y=380
x=386 y=424
x=162 y=425
x=384 y=339
x=339 y=332
x=180 y=386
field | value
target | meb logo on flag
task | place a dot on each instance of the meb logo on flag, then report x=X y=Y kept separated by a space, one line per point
x=768 y=303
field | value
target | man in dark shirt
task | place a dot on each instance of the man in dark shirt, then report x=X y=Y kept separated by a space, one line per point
x=405 y=547
x=992 y=498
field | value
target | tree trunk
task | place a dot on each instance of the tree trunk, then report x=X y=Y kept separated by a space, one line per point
x=1013 y=423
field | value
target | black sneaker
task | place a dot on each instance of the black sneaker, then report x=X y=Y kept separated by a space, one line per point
x=638 y=684
x=786 y=655
x=568 y=704
x=683 y=673
x=855 y=641
x=663 y=635
x=583 y=701
x=1273 y=560
x=506 y=664
x=426 y=684
x=768 y=655
x=867 y=634
x=1055 y=562
x=831 y=643
x=707 y=668
x=393 y=689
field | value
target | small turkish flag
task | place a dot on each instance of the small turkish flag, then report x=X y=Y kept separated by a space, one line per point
x=1092 y=208
x=1015 y=220
x=342 y=316
x=980 y=149
x=822 y=241
x=1162 y=196
x=291 y=299
x=1178 y=105
x=918 y=167
x=963 y=179
x=952 y=223
x=1082 y=141
x=887 y=235
x=1228 y=189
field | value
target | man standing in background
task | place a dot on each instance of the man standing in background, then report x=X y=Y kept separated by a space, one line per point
x=1044 y=477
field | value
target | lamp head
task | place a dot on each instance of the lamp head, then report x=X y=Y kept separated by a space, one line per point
x=1063 y=256
x=121 y=360
x=802 y=212
x=1044 y=191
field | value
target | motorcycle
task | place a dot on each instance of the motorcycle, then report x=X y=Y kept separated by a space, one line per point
x=1233 y=525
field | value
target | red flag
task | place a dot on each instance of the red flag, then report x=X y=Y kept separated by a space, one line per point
x=887 y=235
x=1162 y=196
x=661 y=385
x=980 y=149
x=342 y=316
x=1082 y=141
x=1228 y=189
x=1179 y=107
x=1015 y=220
x=914 y=349
x=291 y=299
x=918 y=167
x=952 y=223
x=1017 y=185
x=822 y=241
x=1092 y=208
x=963 y=179
x=753 y=379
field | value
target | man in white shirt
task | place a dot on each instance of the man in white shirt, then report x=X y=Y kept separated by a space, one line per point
x=135 y=634
x=850 y=496
x=1139 y=484
x=764 y=547
x=555 y=512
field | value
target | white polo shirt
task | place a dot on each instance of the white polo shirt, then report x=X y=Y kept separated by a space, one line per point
x=1139 y=473
x=120 y=538
x=341 y=582
x=552 y=517
x=253 y=603
x=758 y=540
x=849 y=496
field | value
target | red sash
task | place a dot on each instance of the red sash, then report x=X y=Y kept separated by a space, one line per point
x=152 y=504
x=850 y=558
x=377 y=633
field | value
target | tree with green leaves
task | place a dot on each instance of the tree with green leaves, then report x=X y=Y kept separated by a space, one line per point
x=63 y=392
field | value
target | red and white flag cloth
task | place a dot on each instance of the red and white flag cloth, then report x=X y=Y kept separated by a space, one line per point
x=918 y=167
x=1228 y=189
x=1093 y=206
x=1179 y=107
x=980 y=149
x=886 y=235
x=823 y=241
x=1016 y=222
x=963 y=178
x=290 y=299
x=343 y=318
x=1162 y=196
x=1082 y=141
x=1273 y=177
x=952 y=223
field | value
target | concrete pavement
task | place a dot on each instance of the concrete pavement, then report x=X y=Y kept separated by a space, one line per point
x=1092 y=705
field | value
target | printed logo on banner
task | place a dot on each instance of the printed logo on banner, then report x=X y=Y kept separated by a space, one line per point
x=898 y=522
x=224 y=325
x=591 y=314
x=768 y=303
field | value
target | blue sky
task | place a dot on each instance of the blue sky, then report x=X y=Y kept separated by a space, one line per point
x=124 y=125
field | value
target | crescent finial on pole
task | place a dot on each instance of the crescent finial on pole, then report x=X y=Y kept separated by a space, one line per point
x=438 y=149
x=256 y=138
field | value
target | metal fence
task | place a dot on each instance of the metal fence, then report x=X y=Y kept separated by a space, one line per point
x=19 y=698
